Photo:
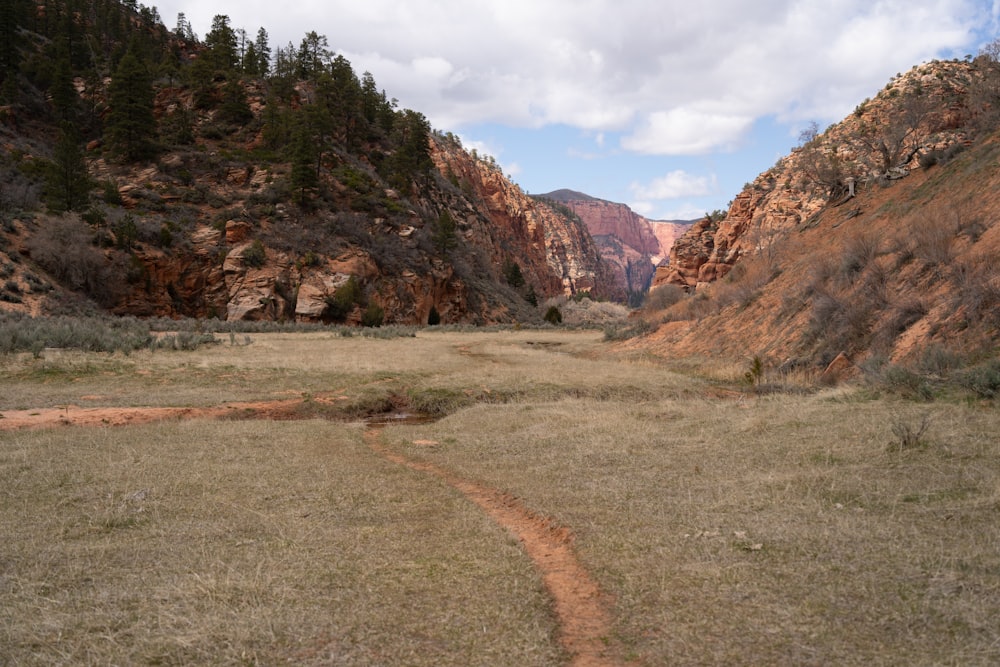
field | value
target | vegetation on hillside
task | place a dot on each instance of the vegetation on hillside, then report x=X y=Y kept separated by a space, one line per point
x=184 y=132
x=875 y=238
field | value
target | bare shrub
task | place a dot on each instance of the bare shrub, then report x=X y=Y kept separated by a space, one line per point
x=860 y=250
x=63 y=247
x=839 y=322
x=976 y=292
x=663 y=297
x=874 y=284
x=901 y=317
x=908 y=436
x=933 y=237
x=744 y=282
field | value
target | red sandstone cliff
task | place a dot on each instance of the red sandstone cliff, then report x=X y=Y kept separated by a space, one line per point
x=630 y=244
x=917 y=113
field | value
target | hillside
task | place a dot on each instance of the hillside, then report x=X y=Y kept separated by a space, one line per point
x=177 y=178
x=631 y=245
x=877 y=238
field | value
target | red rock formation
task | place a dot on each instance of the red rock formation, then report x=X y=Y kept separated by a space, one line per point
x=556 y=254
x=826 y=172
x=604 y=218
x=630 y=243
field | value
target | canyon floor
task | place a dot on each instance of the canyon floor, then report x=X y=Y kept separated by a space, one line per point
x=502 y=498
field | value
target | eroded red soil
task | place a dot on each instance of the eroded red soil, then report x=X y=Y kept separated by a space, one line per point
x=74 y=415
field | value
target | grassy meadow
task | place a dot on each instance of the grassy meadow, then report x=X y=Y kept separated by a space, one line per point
x=830 y=526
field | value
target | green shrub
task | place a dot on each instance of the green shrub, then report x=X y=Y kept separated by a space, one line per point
x=512 y=273
x=553 y=315
x=21 y=333
x=907 y=383
x=434 y=317
x=255 y=256
x=983 y=379
x=341 y=303
x=373 y=316
x=755 y=372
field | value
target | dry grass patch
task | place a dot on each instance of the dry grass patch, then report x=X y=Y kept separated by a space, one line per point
x=786 y=530
x=779 y=529
x=250 y=543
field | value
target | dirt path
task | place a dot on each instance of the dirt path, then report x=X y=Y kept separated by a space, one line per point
x=580 y=605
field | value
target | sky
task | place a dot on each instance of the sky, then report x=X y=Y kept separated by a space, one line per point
x=669 y=107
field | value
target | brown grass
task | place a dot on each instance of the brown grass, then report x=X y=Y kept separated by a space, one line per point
x=780 y=531
x=251 y=543
x=739 y=530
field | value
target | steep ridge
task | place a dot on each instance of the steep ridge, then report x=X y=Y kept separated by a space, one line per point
x=551 y=248
x=877 y=238
x=924 y=112
x=279 y=198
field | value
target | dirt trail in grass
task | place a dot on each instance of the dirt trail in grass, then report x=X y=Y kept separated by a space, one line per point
x=581 y=607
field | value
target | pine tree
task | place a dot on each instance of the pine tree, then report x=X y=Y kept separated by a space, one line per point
x=304 y=178
x=131 y=123
x=13 y=15
x=263 y=53
x=276 y=131
x=222 y=45
x=234 y=107
x=445 y=237
x=314 y=52
x=61 y=89
x=67 y=182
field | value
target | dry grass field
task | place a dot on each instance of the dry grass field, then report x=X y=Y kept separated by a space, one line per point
x=811 y=528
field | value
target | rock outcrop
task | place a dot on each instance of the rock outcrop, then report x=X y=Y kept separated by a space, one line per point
x=630 y=244
x=555 y=252
x=883 y=140
x=874 y=241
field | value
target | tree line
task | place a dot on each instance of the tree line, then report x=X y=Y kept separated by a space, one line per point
x=315 y=107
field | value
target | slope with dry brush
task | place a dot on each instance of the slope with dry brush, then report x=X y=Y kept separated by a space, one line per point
x=877 y=238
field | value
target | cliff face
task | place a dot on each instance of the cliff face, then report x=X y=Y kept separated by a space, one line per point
x=630 y=244
x=555 y=252
x=877 y=239
x=604 y=218
x=197 y=235
x=495 y=224
x=882 y=141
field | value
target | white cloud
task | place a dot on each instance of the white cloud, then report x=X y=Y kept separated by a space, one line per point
x=643 y=208
x=686 y=132
x=674 y=185
x=688 y=79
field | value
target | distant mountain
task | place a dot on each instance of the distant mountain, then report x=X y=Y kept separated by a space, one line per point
x=565 y=195
x=632 y=244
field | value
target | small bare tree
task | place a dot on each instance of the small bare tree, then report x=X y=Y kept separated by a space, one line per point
x=896 y=138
